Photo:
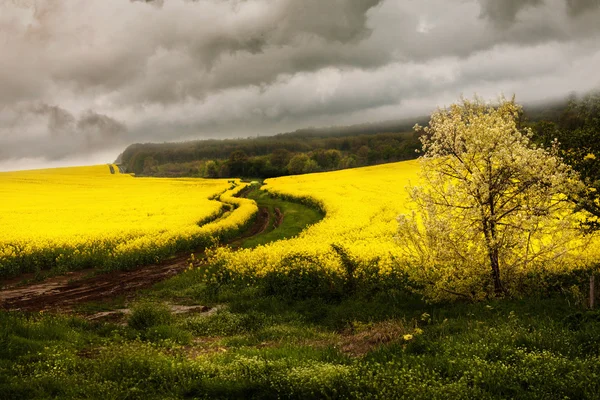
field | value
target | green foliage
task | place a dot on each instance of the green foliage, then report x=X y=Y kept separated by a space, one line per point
x=264 y=347
x=300 y=282
x=268 y=157
x=223 y=323
x=147 y=315
x=168 y=333
x=578 y=134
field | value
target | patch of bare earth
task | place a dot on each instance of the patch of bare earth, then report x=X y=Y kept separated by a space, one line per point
x=119 y=314
x=64 y=292
x=261 y=223
x=353 y=342
x=203 y=346
x=278 y=218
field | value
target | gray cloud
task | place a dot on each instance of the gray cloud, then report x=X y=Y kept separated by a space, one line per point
x=578 y=7
x=101 y=126
x=60 y=121
x=177 y=69
x=504 y=12
x=156 y=3
x=49 y=131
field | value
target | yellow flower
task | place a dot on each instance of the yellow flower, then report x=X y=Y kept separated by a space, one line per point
x=407 y=337
x=418 y=331
x=590 y=156
x=39 y=215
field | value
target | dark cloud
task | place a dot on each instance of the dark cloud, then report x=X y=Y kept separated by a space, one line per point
x=504 y=12
x=51 y=132
x=60 y=121
x=100 y=126
x=578 y=7
x=177 y=51
x=339 y=21
x=182 y=69
x=156 y=3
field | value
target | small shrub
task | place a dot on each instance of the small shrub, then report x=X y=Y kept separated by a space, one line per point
x=147 y=315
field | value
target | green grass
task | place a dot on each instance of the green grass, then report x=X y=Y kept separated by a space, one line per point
x=296 y=218
x=114 y=303
x=267 y=346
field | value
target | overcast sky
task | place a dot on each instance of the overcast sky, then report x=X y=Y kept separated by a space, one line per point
x=81 y=80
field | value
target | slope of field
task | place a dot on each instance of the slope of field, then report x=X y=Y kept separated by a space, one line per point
x=95 y=216
x=361 y=207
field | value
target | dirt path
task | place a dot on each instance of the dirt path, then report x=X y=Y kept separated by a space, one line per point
x=278 y=218
x=62 y=293
x=261 y=223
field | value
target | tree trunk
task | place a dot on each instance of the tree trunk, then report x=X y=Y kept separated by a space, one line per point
x=489 y=231
x=592 y=292
x=495 y=263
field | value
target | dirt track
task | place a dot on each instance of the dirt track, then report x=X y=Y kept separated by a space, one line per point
x=260 y=224
x=62 y=293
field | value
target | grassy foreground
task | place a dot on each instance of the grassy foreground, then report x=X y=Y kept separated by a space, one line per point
x=258 y=345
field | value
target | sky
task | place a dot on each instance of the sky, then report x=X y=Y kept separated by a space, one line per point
x=81 y=80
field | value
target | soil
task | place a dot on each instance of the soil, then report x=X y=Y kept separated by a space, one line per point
x=278 y=217
x=261 y=223
x=62 y=293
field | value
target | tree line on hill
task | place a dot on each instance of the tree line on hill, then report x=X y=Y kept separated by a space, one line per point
x=302 y=151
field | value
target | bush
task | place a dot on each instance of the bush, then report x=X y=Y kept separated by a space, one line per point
x=147 y=315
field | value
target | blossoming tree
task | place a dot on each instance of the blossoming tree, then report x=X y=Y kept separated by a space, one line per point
x=491 y=204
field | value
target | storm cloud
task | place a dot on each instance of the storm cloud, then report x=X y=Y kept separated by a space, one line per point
x=81 y=80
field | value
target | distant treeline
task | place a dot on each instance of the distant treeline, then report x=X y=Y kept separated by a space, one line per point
x=313 y=150
x=302 y=151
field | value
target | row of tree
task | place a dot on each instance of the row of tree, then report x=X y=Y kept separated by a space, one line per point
x=266 y=157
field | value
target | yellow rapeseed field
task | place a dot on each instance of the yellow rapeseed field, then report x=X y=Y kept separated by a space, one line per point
x=362 y=206
x=87 y=216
